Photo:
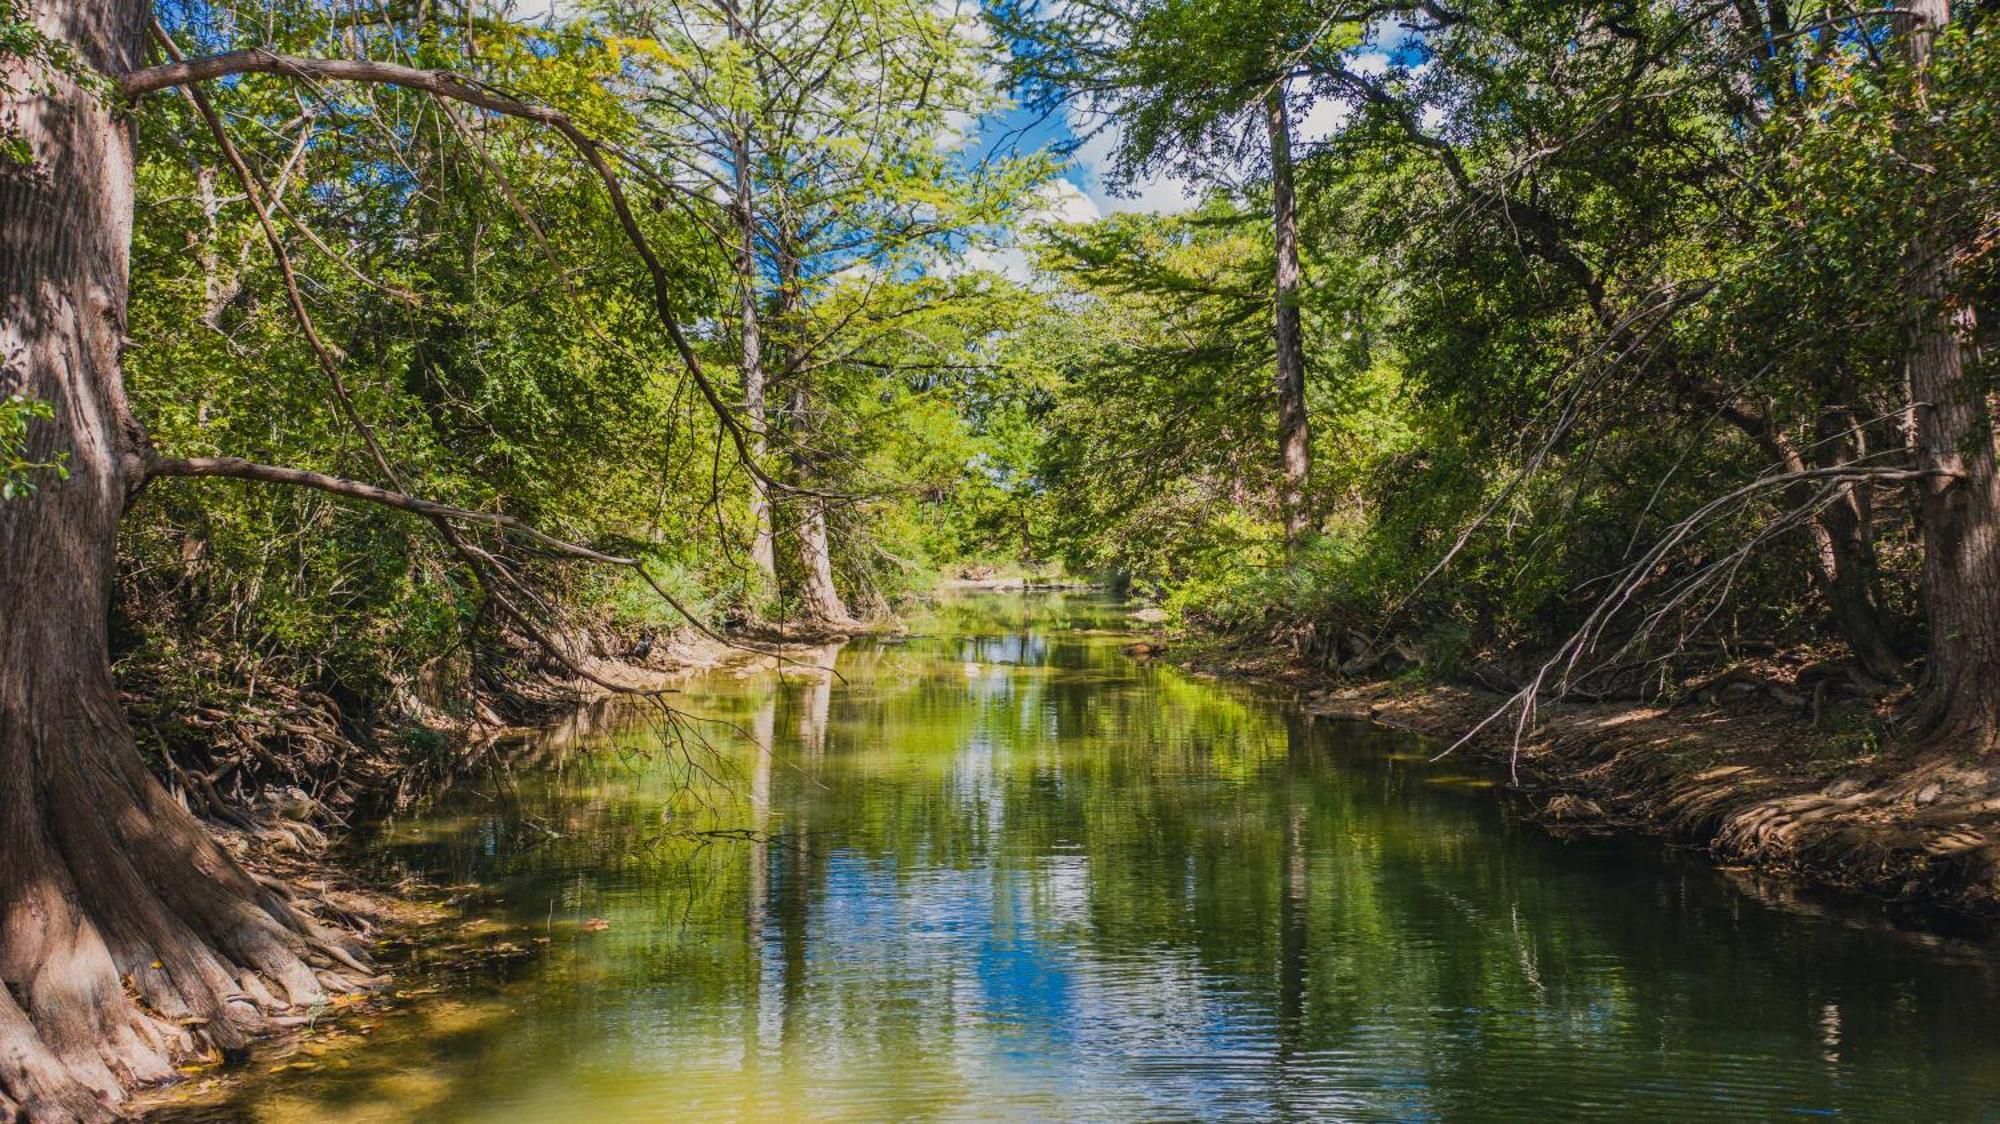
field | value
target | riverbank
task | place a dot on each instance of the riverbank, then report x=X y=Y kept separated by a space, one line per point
x=1751 y=779
x=713 y=941
x=303 y=849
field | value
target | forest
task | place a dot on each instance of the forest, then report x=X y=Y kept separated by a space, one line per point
x=377 y=374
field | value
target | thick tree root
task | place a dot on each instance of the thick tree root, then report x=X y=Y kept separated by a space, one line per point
x=130 y=940
x=1758 y=787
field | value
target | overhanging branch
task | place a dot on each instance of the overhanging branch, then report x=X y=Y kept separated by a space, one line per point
x=236 y=468
x=443 y=83
x=446 y=84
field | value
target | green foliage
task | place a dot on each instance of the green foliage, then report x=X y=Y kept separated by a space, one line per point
x=499 y=343
x=17 y=466
x=1569 y=274
x=491 y=377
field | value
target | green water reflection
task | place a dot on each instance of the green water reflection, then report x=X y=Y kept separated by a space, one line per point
x=1001 y=870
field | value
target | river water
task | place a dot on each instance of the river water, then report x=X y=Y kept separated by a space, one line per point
x=999 y=870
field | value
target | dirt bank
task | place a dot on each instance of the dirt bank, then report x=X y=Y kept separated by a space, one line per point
x=1751 y=780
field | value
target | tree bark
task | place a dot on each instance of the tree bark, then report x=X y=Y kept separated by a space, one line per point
x=1849 y=571
x=1842 y=561
x=1953 y=433
x=762 y=553
x=1294 y=431
x=819 y=599
x=106 y=882
x=750 y=327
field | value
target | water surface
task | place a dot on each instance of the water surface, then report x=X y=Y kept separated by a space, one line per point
x=1002 y=871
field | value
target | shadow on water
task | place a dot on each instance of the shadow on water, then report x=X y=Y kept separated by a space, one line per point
x=1001 y=870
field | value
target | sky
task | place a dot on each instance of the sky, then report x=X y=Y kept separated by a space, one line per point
x=1084 y=190
x=1090 y=172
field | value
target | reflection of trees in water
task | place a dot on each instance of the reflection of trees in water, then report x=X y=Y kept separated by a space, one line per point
x=1081 y=849
x=812 y=677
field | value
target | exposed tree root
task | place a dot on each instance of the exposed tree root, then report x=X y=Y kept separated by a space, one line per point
x=1757 y=785
x=130 y=940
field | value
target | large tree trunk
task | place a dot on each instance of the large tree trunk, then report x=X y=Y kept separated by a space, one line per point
x=1294 y=433
x=106 y=883
x=1959 y=513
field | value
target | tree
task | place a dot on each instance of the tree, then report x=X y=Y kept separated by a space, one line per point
x=1194 y=85
x=832 y=128
x=127 y=935
x=1587 y=191
x=1953 y=435
x=105 y=877
x=1151 y=445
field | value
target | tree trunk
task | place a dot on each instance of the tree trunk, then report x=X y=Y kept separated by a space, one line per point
x=1843 y=564
x=106 y=882
x=1844 y=569
x=750 y=328
x=1848 y=570
x=761 y=552
x=1294 y=432
x=1959 y=513
x=819 y=600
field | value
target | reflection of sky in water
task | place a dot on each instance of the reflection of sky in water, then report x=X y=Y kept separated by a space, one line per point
x=1029 y=1012
x=1018 y=875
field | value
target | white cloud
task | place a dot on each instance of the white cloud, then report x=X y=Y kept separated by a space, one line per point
x=1325 y=117
x=1057 y=201
x=960 y=128
x=1063 y=201
x=1373 y=64
x=1322 y=120
x=1160 y=195
x=1010 y=262
x=1164 y=195
x=1388 y=34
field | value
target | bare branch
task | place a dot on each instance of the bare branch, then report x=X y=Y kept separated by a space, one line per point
x=442 y=83
x=1563 y=664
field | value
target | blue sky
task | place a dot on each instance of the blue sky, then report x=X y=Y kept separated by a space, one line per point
x=1083 y=191
x=1027 y=131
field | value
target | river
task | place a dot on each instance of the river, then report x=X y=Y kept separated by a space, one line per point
x=999 y=870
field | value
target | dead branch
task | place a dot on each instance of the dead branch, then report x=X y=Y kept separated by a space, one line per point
x=1560 y=670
